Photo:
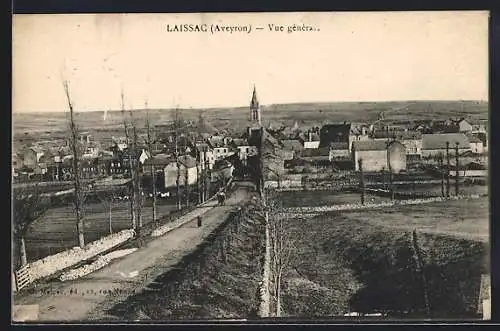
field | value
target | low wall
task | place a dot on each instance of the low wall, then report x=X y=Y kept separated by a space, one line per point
x=54 y=263
x=200 y=210
x=354 y=206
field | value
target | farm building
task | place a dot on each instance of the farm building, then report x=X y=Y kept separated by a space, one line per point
x=435 y=144
x=379 y=155
x=339 y=151
x=205 y=155
x=335 y=133
x=309 y=140
x=157 y=162
x=476 y=144
x=293 y=145
x=187 y=168
x=243 y=148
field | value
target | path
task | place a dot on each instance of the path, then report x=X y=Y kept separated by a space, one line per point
x=131 y=273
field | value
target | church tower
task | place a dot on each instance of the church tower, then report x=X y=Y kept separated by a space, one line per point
x=255 y=108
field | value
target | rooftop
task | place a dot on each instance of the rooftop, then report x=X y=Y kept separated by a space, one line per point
x=369 y=145
x=438 y=140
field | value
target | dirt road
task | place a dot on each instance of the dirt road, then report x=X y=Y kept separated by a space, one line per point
x=89 y=297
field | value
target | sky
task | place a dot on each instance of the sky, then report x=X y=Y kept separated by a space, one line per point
x=349 y=57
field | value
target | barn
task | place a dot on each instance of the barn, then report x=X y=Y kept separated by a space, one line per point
x=379 y=155
x=435 y=144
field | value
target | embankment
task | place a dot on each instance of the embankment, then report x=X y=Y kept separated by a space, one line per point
x=221 y=279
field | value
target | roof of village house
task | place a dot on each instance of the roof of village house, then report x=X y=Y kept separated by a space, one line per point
x=438 y=140
x=330 y=132
x=339 y=145
x=222 y=164
x=160 y=159
x=473 y=139
x=305 y=136
x=370 y=145
x=239 y=142
x=315 y=152
x=402 y=135
x=291 y=144
x=188 y=161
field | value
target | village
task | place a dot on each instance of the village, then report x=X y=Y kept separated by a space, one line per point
x=299 y=153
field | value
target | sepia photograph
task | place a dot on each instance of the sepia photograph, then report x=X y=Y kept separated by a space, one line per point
x=203 y=167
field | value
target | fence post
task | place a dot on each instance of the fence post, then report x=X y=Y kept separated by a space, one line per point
x=447 y=169
x=362 y=181
x=456 y=169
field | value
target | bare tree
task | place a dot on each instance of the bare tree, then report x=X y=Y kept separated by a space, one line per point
x=75 y=148
x=282 y=243
x=187 y=190
x=108 y=197
x=178 y=128
x=149 y=143
x=136 y=184
x=133 y=199
x=27 y=208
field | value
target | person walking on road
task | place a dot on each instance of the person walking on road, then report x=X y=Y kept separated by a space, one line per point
x=199 y=221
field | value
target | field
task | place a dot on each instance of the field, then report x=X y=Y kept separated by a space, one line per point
x=40 y=125
x=363 y=261
x=320 y=198
x=56 y=230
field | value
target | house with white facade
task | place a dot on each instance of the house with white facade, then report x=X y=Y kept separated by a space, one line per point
x=244 y=150
x=187 y=170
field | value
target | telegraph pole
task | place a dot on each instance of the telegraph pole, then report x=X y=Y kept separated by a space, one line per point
x=442 y=173
x=391 y=188
x=361 y=181
x=447 y=169
x=207 y=179
x=198 y=173
x=456 y=169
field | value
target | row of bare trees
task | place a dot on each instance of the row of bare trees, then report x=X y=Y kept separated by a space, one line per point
x=29 y=207
x=282 y=242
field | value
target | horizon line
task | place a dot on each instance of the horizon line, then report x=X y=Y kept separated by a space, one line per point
x=246 y=106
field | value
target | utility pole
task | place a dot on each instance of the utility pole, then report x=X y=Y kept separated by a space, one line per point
x=207 y=179
x=198 y=172
x=447 y=169
x=127 y=137
x=150 y=142
x=136 y=177
x=361 y=181
x=391 y=188
x=76 y=171
x=456 y=169
x=441 y=161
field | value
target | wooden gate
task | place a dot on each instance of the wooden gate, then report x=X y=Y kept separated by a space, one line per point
x=23 y=277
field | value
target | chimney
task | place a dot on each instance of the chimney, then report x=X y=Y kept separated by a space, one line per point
x=310 y=136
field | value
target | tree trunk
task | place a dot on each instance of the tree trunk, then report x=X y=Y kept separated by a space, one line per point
x=154 y=192
x=110 y=218
x=278 y=294
x=80 y=230
x=179 y=202
x=24 y=257
x=186 y=187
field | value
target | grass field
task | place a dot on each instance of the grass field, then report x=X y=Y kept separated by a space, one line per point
x=363 y=261
x=461 y=219
x=321 y=198
x=56 y=230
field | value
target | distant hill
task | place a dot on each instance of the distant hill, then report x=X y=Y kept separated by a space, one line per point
x=278 y=114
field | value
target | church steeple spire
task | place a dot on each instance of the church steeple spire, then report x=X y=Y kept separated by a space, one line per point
x=255 y=107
